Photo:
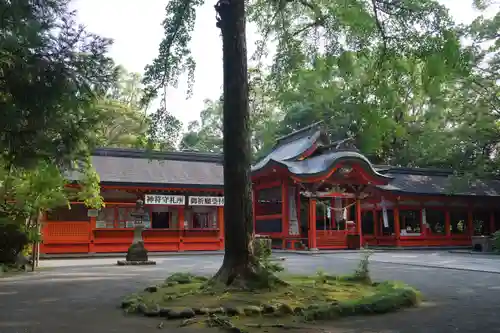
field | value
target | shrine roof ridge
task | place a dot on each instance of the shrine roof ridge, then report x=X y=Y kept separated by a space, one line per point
x=188 y=156
x=308 y=130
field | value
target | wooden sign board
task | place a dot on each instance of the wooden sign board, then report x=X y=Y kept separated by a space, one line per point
x=206 y=201
x=92 y=212
x=159 y=199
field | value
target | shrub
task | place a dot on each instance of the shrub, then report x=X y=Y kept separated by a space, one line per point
x=362 y=273
x=12 y=242
x=496 y=240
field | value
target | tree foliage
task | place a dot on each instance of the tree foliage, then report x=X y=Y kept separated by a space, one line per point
x=123 y=121
x=412 y=87
x=51 y=73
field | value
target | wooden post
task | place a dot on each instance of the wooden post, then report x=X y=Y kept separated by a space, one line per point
x=312 y=224
x=180 y=222
x=397 y=227
x=447 y=229
x=254 y=203
x=285 y=219
x=470 y=226
x=220 y=218
x=358 y=222
x=422 y=225
x=91 y=234
x=297 y=204
x=492 y=223
x=44 y=231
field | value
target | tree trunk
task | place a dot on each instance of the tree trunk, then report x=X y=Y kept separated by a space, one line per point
x=239 y=265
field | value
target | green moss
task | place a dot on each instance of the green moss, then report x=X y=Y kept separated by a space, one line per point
x=388 y=297
x=310 y=297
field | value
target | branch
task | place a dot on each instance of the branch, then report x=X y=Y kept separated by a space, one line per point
x=314 y=24
x=319 y=19
x=380 y=27
x=170 y=41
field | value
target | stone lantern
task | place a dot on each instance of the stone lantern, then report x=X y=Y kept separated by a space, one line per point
x=137 y=253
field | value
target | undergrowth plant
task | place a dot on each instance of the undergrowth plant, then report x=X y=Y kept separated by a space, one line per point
x=496 y=241
x=362 y=273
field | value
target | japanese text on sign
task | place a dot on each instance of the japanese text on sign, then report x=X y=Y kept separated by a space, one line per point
x=158 y=199
x=206 y=201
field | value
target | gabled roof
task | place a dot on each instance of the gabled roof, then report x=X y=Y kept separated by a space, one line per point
x=423 y=181
x=143 y=168
x=308 y=153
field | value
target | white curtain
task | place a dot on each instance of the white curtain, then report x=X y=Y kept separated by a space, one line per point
x=292 y=209
x=384 y=213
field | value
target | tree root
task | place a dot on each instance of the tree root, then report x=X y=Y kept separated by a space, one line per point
x=191 y=321
x=246 y=277
x=225 y=324
x=277 y=325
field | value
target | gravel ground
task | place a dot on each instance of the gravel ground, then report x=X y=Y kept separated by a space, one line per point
x=81 y=295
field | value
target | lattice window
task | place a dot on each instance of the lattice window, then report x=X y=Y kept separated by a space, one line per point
x=77 y=212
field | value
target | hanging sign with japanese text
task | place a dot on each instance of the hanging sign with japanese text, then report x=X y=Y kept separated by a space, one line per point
x=159 y=199
x=206 y=201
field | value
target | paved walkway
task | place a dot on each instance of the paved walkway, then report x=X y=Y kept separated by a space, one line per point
x=81 y=296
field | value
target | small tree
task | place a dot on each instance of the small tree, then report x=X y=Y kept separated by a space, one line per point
x=34 y=191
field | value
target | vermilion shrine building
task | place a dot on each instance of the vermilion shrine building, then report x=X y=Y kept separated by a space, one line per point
x=308 y=193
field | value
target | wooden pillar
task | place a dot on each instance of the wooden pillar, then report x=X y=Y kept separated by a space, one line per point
x=422 y=225
x=470 y=226
x=358 y=222
x=220 y=223
x=180 y=218
x=297 y=204
x=492 y=223
x=447 y=223
x=44 y=232
x=285 y=219
x=254 y=211
x=92 y=226
x=397 y=227
x=312 y=224
x=376 y=226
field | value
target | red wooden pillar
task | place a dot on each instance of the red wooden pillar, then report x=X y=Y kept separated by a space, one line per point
x=220 y=220
x=397 y=227
x=91 y=234
x=254 y=203
x=422 y=225
x=470 y=227
x=180 y=218
x=447 y=223
x=358 y=222
x=312 y=224
x=297 y=204
x=492 y=223
x=285 y=219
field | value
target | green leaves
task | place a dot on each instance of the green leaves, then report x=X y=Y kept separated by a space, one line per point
x=174 y=58
x=52 y=73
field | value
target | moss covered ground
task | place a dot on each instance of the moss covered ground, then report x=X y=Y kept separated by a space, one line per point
x=191 y=300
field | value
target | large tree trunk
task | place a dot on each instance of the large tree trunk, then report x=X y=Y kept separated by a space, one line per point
x=239 y=265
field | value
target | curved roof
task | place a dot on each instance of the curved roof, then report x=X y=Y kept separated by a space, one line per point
x=308 y=153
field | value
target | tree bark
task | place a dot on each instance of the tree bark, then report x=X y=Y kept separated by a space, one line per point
x=239 y=263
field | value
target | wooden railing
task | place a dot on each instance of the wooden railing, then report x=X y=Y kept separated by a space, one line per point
x=331 y=239
x=79 y=237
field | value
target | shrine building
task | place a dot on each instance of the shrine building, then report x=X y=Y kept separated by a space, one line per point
x=308 y=193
